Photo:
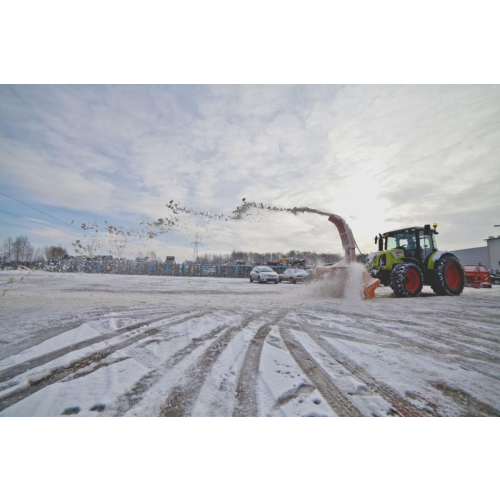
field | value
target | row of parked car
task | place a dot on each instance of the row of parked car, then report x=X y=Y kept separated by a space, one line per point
x=264 y=274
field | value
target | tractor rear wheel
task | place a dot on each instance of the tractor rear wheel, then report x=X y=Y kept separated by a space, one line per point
x=407 y=280
x=449 y=277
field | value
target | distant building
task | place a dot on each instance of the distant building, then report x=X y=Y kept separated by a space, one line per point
x=488 y=256
x=493 y=243
x=473 y=256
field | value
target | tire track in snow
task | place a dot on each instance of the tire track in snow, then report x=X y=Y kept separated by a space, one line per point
x=339 y=403
x=141 y=355
x=45 y=358
x=464 y=344
x=96 y=357
x=432 y=351
x=132 y=397
x=455 y=349
x=473 y=407
x=301 y=390
x=246 y=387
x=400 y=404
x=181 y=399
x=452 y=345
x=468 y=361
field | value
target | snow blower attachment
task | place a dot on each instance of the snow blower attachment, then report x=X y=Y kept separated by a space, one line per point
x=347 y=278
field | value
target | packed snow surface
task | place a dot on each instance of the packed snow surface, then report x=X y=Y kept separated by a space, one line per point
x=112 y=345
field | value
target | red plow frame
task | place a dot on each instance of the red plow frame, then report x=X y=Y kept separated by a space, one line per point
x=477 y=276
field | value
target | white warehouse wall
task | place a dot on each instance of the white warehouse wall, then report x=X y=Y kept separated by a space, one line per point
x=494 y=252
x=473 y=256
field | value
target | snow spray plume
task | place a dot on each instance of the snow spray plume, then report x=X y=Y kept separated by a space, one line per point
x=345 y=283
x=241 y=211
x=119 y=235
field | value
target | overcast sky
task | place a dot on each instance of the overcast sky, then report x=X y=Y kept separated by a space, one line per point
x=381 y=156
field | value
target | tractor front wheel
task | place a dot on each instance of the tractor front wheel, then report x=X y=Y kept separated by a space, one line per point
x=449 y=277
x=407 y=280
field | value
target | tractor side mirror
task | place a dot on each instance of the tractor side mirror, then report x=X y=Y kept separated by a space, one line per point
x=376 y=239
x=427 y=229
x=380 y=243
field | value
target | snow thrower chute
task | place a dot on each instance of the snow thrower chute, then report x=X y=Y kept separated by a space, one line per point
x=346 y=276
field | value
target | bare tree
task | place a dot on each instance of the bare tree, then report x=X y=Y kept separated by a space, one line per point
x=38 y=255
x=22 y=250
x=8 y=245
x=29 y=252
x=55 y=252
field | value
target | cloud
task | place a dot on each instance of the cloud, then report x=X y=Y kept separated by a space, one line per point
x=369 y=153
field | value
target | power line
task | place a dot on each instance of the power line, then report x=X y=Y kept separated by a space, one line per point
x=45 y=213
x=41 y=177
x=27 y=166
x=41 y=223
x=51 y=185
x=22 y=227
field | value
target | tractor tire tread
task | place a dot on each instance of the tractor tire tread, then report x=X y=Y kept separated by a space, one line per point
x=439 y=285
x=397 y=280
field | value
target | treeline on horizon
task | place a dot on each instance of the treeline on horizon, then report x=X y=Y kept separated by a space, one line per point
x=311 y=258
x=20 y=249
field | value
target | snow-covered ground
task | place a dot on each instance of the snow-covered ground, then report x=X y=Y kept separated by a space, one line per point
x=109 y=345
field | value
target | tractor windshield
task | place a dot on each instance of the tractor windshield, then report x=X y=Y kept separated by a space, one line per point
x=404 y=240
x=407 y=241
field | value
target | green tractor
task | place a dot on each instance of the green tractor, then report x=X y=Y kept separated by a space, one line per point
x=409 y=258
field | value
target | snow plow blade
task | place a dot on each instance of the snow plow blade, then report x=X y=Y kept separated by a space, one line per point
x=345 y=280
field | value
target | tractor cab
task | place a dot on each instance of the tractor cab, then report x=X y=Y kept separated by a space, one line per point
x=416 y=242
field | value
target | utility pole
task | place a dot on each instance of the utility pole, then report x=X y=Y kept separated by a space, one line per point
x=196 y=243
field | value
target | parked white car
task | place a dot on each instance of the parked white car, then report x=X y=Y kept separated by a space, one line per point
x=264 y=274
x=294 y=275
